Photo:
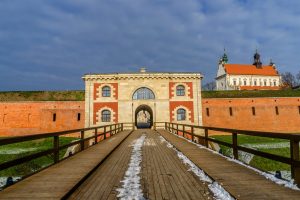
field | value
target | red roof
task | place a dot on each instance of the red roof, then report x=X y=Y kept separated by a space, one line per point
x=242 y=69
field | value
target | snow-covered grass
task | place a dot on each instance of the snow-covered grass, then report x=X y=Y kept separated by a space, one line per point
x=3 y=180
x=131 y=188
x=218 y=191
x=17 y=150
x=271 y=177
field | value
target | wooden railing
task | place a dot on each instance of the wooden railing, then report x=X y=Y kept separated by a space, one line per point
x=189 y=131
x=95 y=134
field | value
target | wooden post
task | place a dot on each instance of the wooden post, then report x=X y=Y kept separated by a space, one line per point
x=122 y=128
x=96 y=133
x=56 y=148
x=192 y=132
x=295 y=169
x=110 y=131
x=165 y=125
x=172 y=128
x=81 y=140
x=183 y=130
x=234 y=146
x=206 y=137
x=177 y=129
x=104 y=132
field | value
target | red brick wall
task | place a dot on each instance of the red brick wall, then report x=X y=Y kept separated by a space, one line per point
x=113 y=86
x=172 y=89
x=112 y=105
x=265 y=118
x=23 y=118
x=187 y=104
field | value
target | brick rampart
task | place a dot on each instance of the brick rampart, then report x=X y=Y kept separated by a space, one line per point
x=262 y=114
x=23 y=118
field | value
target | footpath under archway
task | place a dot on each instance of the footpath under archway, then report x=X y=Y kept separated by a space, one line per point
x=143 y=117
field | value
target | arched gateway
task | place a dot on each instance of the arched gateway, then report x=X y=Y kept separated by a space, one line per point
x=143 y=98
x=143 y=117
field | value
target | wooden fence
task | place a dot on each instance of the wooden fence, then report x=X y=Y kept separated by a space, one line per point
x=95 y=135
x=190 y=132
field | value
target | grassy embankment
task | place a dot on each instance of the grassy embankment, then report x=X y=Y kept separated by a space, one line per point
x=78 y=95
x=250 y=93
x=72 y=95
x=257 y=161
x=18 y=150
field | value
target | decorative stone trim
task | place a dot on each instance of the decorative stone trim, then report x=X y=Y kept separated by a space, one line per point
x=99 y=113
x=188 y=118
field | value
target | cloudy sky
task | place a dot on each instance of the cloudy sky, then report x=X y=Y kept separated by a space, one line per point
x=50 y=44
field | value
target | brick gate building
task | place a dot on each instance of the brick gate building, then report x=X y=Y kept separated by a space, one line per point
x=143 y=97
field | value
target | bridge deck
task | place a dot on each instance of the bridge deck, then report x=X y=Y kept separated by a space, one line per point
x=163 y=176
x=239 y=181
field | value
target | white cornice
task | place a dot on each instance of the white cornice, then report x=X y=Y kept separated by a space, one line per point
x=137 y=76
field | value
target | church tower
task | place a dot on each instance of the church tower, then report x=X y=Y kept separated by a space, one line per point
x=257 y=61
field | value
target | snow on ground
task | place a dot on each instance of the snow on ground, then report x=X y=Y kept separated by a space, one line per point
x=131 y=188
x=289 y=184
x=3 y=180
x=267 y=146
x=218 y=191
x=17 y=150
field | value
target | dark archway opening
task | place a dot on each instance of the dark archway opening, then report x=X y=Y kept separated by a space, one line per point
x=143 y=117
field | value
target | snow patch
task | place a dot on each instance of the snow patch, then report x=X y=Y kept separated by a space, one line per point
x=219 y=192
x=289 y=184
x=17 y=150
x=3 y=181
x=131 y=188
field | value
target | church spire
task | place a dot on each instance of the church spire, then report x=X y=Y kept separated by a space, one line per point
x=257 y=61
x=224 y=58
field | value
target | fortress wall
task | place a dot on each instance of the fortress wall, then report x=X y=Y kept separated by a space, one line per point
x=23 y=118
x=253 y=113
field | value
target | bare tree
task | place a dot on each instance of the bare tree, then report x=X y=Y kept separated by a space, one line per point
x=288 y=79
x=209 y=86
x=298 y=78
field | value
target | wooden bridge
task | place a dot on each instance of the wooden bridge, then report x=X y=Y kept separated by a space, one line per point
x=170 y=166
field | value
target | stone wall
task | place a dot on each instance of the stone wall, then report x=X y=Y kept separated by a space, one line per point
x=23 y=118
x=262 y=114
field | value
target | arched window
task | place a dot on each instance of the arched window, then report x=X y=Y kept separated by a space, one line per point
x=181 y=114
x=105 y=116
x=180 y=90
x=106 y=91
x=143 y=93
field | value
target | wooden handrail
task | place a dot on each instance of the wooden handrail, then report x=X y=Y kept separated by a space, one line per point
x=56 y=147
x=293 y=160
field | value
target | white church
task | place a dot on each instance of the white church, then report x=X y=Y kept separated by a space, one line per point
x=247 y=76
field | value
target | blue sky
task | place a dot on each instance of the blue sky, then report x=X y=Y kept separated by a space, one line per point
x=50 y=44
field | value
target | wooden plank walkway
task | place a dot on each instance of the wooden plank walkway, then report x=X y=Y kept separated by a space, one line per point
x=163 y=176
x=102 y=184
x=56 y=181
x=241 y=182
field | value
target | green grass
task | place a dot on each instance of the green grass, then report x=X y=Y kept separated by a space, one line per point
x=245 y=139
x=78 y=95
x=270 y=165
x=250 y=93
x=75 y=95
x=257 y=161
x=12 y=151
